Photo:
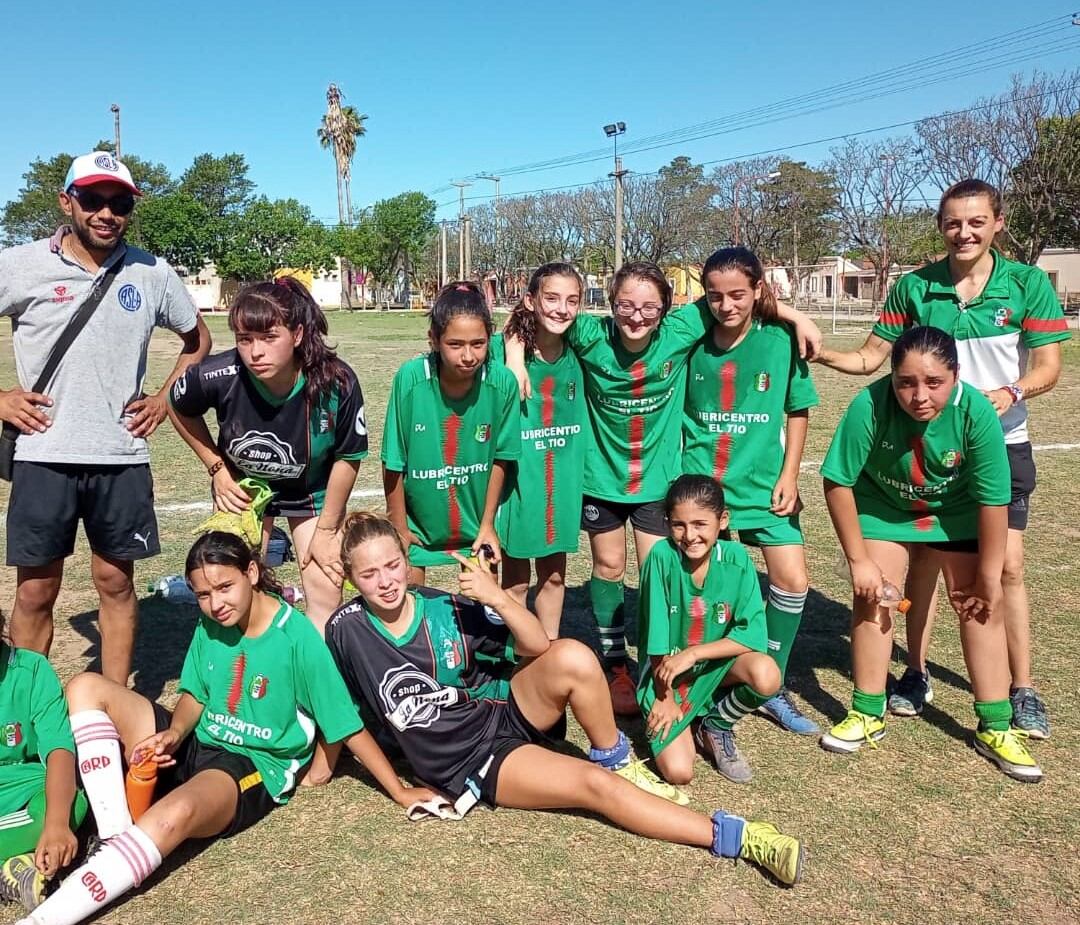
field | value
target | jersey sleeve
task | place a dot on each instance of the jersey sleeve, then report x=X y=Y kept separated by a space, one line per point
x=321 y=691
x=497 y=350
x=586 y=331
x=688 y=324
x=177 y=311
x=483 y=631
x=990 y=475
x=654 y=622
x=49 y=714
x=192 y=680
x=351 y=433
x=1044 y=321
x=852 y=442
x=896 y=314
x=748 y=620
x=801 y=393
x=395 y=447
x=508 y=425
x=338 y=640
x=188 y=396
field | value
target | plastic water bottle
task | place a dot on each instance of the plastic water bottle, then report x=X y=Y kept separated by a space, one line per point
x=892 y=600
x=293 y=594
x=173 y=588
x=139 y=786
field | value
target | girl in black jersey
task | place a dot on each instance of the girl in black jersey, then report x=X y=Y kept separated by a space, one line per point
x=290 y=412
x=436 y=672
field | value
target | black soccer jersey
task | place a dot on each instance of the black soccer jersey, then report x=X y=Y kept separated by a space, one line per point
x=438 y=690
x=288 y=441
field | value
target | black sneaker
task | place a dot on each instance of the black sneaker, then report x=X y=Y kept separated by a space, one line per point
x=1029 y=712
x=911 y=694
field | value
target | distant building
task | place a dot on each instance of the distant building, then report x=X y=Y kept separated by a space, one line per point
x=1062 y=265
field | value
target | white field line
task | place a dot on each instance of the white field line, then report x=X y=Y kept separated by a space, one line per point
x=1037 y=447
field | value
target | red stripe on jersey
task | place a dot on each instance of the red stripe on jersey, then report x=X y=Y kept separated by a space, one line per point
x=892 y=319
x=547 y=401
x=684 y=690
x=722 y=456
x=918 y=478
x=1045 y=325
x=236 y=689
x=547 y=418
x=451 y=436
x=727 y=386
x=695 y=635
x=637 y=429
x=722 y=451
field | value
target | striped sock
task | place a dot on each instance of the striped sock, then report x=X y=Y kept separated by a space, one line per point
x=606 y=598
x=783 y=614
x=123 y=862
x=97 y=744
x=738 y=703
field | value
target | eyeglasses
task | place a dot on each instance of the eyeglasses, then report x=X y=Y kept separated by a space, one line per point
x=121 y=204
x=648 y=311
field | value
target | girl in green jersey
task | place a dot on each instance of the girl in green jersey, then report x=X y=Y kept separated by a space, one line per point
x=703 y=629
x=919 y=459
x=539 y=517
x=256 y=681
x=747 y=408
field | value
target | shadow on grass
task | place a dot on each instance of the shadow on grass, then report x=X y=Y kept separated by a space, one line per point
x=165 y=631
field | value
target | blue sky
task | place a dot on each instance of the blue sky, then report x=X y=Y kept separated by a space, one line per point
x=453 y=89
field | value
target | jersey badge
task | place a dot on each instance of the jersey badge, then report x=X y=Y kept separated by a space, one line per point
x=721 y=612
x=324 y=422
x=665 y=370
x=762 y=381
x=483 y=433
x=13 y=734
x=412 y=699
x=129 y=297
x=591 y=512
x=950 y=459
x=571 y=391
x=1002 y=316
x=451 y=653
x=259 y=684
x=264 y=454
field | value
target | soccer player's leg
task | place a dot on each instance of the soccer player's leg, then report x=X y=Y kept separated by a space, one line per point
x=550 y=591
x=913 y=691
x=871 y=649
x=322 y=586
x=752 y=679
x=676 y=761
x=532 y=777
x=986 y=655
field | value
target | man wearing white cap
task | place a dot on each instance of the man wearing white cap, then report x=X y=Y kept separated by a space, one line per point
x=81 y=451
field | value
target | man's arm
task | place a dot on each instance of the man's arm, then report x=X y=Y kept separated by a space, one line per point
x=147 y=413
x=862 y=362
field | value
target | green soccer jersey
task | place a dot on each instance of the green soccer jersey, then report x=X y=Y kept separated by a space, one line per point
x=635 y=403
x=33 y=723
x=446 y=447
x=263 y=697
x=919 y=481
x=733 y=422
x=541 y=510
x=676 y=614
x=1017 y=310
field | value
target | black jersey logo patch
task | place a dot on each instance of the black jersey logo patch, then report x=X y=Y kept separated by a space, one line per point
x=412 y=699
x=260 y=453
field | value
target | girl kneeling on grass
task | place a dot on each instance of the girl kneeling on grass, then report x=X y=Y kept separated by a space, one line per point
x=704 y=631
x=437 y=672
x=919 y=458
x=452 y=430
x=256 y=681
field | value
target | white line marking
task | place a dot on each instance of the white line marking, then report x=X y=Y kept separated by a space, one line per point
x=187 y=507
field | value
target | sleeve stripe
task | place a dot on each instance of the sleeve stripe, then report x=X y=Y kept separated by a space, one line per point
x=1045 y=325
x=895 y=319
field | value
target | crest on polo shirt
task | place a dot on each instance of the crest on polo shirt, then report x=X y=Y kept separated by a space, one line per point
x=1002 y=316
x=950 y=459
x=665 y=370
x=13 y=734
x=259 y=684
x=762 y=382
x=483 y=433
x=721 y=612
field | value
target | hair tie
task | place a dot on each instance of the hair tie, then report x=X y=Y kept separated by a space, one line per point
x=282 y=281
x=463 y=287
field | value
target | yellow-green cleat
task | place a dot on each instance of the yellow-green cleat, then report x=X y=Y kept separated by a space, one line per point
x=638 y=773
x=852 y=732
x=22 y=882
x=781 y=855
x=1008 y=751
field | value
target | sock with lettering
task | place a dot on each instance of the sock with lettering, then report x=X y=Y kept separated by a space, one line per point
x=97 y=744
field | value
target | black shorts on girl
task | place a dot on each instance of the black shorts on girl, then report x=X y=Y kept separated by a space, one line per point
x=600 y=516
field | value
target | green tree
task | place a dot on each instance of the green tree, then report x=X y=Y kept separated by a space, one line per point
x=269 y=235
x=220 y=184
x=1043 y=195
x=402 y=227
x=180 y=229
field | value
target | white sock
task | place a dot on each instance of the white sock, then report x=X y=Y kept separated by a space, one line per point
x=126 y=860
x=97 y=744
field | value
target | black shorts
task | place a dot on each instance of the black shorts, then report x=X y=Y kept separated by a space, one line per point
x=971 y=546
x=253 y=800
x=115 y=504
x=513 y=732
x=1022 y=468
x=599 y=516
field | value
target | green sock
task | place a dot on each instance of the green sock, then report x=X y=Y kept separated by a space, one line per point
x=783 y=614
x=606 y=598
x=994 y=715
x=728 y=709
x=868 y=704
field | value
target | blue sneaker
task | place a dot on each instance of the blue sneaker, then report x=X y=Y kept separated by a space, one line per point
x=1029 y=712
x=782 y=710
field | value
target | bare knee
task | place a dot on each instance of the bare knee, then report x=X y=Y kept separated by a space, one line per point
x=172 y=820
x=599 y=786
x=1012 y=575
x=764 y=675
x=88 y=691
x=574 y=658
x=676 y=770
x=36 y=597
x=112 y=582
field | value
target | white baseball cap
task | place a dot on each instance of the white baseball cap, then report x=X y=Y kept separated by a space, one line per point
x=98 y=167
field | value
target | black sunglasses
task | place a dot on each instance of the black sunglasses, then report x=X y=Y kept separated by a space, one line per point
x=121 y=204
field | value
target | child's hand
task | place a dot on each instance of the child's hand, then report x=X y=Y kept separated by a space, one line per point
x=55 y=849
x=159 y=747
x=671 y=666
x=409 y=795
x=479 y=583
x=663 y=715
x=486 y=536
x=866 y=580
x=785 y=496
x=808 y=336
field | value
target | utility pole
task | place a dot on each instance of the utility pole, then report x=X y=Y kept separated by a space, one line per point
x=888 y=160
x=462 y=227
x=613 y=130
x=467 y=225
x=795 y=255
x=442 y=253
x=495 y=236
x=115 y=110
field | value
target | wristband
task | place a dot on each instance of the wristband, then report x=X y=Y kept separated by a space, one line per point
x=1016 y=392
x=216 y=468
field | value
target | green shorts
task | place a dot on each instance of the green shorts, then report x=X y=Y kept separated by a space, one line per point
x=784 y=531
x=425 y=558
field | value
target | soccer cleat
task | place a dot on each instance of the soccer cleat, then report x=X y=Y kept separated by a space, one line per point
x=623 y=692
x=22 y=882
x=911 y=693
x=852 y=732
x=1007 y=750
x=1029 y=712
x=781 y=855
x=718 y=745
x=782 y=710
x=644 y=779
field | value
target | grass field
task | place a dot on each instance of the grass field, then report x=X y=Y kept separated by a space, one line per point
x=920 y=830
